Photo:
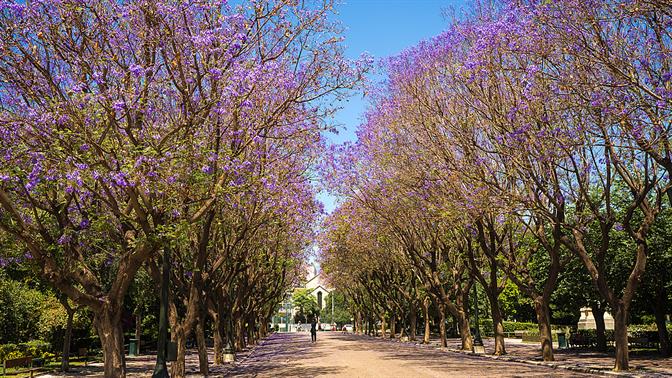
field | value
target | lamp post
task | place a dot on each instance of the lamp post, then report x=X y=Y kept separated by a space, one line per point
x=478 y=342
x=333 y=324
x=161 y=369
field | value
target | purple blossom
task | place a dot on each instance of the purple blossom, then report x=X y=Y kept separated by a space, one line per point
x=119 y=106
x=136 y=70
x=64 y=239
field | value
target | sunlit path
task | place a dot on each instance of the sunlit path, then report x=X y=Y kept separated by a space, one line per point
x=338 y=355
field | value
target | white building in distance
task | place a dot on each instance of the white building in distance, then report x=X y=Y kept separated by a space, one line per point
x=316 y=286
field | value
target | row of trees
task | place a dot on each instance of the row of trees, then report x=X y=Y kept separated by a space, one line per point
x=136 y=131
x=527 y=138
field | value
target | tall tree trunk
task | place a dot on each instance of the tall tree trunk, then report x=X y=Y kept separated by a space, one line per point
x=111 y=337
x=372 y=327
x=601 y=337
x=263 y=331
x=202 y=347
x=179 y=336
x=660 y=311
x=383 y=326
x=425 y=314
x=178 y=367
x=358 y=322
x=497 y=325
x=251 y=325
x=239 y=333
x=217 y=330
x=138 y=330
x=622 y=362
x=65 y=358
x=413 y=323
x=461 y=311
x=465 y=330
x=393 y=327
x=442 y=325
x=543 y=320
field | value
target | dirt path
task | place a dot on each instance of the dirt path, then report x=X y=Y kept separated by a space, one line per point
x=337 y=355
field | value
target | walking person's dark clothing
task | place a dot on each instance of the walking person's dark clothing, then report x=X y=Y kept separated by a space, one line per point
x=313 y=331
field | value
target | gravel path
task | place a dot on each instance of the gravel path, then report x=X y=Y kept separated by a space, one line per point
x=338 y=355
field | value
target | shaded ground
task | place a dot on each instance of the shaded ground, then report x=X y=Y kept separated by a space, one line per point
x=337 y=355
x=649 y=365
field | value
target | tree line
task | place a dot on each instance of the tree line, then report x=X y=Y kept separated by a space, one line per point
x=132 y=131
x=528 y=140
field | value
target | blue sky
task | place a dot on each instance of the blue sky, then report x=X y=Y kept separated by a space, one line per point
x=382 y=28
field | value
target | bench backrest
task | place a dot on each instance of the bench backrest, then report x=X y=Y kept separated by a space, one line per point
x=16 y=362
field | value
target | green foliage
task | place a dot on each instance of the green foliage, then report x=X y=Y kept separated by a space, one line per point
x=306 y=305
x=342 y=313
x=9 y=351
x=515 y=305
x=509 y=327
x=34 y=348
x=21 y=310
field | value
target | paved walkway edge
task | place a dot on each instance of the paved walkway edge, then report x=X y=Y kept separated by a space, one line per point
x=570 y=367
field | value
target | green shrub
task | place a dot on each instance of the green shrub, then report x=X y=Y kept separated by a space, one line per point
x=33 y=348
x=533 y=337
x=509 y=327
x=7 y=351
x=36 y=348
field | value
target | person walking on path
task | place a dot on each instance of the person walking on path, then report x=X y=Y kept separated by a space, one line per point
x=313 y=330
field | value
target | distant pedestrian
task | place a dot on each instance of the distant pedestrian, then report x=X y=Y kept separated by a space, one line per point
x=313 y=330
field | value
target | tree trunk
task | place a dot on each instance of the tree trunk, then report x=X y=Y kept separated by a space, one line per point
x=218 y=328
x=263 y=331
x=660 y=311
x=413 y=323
x=465 y=330
x=372 y=327
x=179 y=336
x=393 y=327
x=543 y=319
x=442 y=325
x=239 y=333
x=65 y=358
x=497 y=325
x=621 y=339
x=111 y=337
x=138 y=330
x=358 y=322
x=202 y=348
x=601 y=337
x=382 y=326
x=250 y=331
x=425 y=314
x=461 y=312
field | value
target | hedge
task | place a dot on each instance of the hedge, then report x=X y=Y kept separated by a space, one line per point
x=509 y=326
x=34 y=348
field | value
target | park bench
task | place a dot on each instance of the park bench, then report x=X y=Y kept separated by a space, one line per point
x=642 y=342
x=17 y=363
x=518 y=334
x=579 y=340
